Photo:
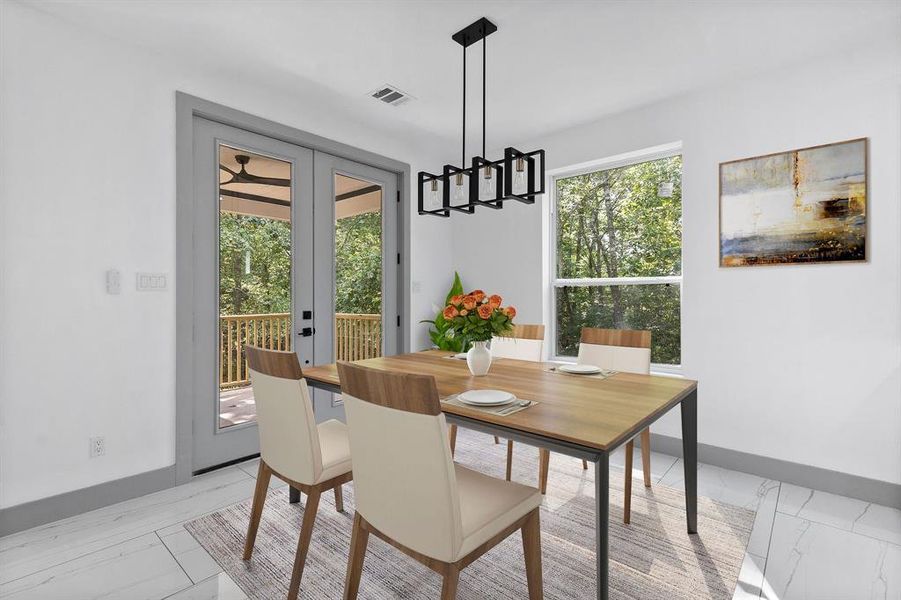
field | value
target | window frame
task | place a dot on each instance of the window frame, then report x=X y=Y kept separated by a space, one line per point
x=555 y=282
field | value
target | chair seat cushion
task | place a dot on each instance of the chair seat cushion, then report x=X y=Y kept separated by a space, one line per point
x=488 y=505
x=335 y=449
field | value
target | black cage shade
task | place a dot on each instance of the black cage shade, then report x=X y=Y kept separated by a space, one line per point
x=429 y=183
x=523 y=175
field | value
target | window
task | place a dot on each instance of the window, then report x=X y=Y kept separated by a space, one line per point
x=617 y=235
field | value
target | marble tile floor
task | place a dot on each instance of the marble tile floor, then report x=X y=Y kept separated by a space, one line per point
x=805 y=544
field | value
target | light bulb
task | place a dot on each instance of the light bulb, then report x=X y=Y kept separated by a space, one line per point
x=459 y=191
x=433 y=194
x=519 y=177
x=486 y=186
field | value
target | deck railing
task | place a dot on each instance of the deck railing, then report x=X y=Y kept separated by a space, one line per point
x=357 y=337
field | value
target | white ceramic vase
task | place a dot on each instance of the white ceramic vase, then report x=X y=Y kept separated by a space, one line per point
x=479 y=359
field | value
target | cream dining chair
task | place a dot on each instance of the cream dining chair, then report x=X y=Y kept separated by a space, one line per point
x=525 y=343
x=409 y=492
x=312 y=458
x=620 y=350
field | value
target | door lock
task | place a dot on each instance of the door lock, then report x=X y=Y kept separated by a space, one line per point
x=307 y=331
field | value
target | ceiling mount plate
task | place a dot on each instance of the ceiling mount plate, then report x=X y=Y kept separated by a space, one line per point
x=474 y=33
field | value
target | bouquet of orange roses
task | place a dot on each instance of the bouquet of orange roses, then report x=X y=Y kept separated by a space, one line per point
x=477 y=317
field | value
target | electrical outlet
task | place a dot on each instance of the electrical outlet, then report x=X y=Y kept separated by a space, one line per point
x=98 y=446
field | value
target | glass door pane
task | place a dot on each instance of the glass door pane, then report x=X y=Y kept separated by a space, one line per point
x=358 y=269
x=254 y=271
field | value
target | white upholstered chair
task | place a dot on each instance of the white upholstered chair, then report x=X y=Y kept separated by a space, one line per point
x=312 y=458
x=409 y=492
x=628 y=351
x=526 y=342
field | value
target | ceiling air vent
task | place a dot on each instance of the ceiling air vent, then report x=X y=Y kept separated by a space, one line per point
x=390 y=95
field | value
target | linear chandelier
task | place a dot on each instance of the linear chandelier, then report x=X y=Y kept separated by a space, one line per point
x=517 y=176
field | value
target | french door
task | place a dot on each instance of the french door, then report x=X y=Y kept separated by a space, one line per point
x=294 y=250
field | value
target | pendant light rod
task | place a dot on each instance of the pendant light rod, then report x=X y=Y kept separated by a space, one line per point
x=463 y=157
x=484 y=63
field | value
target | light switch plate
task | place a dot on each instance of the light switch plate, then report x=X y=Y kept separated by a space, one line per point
x=151 y=282
x=113 y=282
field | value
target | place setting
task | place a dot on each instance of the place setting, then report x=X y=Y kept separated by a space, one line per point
x=496 y=402
x=582 y=370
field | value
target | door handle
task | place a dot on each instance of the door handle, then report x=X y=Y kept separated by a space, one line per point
x=307 y=332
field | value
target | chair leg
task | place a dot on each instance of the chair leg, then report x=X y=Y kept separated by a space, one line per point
x=646 y=456
x=497 y=440
x=359 y=537
x=451 y=579
x=531 y=546
x=627 y=500
x=584 y=465
x=509 y=458
x=264 y=474
x=452 y=433
x=303 y=542
x=339 y=498
x=544 y=463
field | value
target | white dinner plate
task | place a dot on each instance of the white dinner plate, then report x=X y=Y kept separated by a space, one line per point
x=580 y=369
x=486 y=397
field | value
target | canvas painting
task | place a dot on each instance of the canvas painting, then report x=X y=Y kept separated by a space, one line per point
x=802 y=206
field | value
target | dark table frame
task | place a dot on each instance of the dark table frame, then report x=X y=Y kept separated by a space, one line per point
x=601 y=460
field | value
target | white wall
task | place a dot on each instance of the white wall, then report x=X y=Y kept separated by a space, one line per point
x=88 y=183
x=799 y=363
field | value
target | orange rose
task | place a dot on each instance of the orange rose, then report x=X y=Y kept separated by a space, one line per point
x=510 y=311
x=464 y=312
x=477 y=295
x=494 y=301
x=469 y=302
x=485 y=311
x=455 y=300
x=450 y=312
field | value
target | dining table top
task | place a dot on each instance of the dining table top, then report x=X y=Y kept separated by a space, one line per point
x=589 y=411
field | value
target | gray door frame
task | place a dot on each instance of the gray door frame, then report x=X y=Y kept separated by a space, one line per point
x=186 y=108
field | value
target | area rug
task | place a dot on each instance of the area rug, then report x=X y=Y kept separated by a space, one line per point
x=653 y=558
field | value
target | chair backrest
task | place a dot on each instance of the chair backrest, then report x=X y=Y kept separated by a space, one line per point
x=289 y=439
x=404 y=479
x=624 y=350
x=526 y=343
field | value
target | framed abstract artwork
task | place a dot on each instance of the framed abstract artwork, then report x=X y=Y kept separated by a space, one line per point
x=800 y=206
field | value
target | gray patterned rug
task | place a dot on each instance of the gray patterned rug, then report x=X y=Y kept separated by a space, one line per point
x=653 y=558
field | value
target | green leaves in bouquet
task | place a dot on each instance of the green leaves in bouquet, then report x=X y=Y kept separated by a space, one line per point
x=441 y=334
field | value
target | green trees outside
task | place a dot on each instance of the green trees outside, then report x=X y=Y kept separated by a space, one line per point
x=615 y=223
x=255 y=265
x=358 y=264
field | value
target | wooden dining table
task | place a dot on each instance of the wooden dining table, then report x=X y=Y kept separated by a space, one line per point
x=585 y=417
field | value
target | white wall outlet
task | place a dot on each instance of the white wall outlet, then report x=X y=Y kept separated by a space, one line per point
x=151 y=282
x=113 y=282
x=98 y=446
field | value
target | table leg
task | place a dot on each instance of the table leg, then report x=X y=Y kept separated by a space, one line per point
x=602 y=520
x=293 y=495
x=690 y=458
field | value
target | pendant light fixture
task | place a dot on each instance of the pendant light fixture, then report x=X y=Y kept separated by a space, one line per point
x=517 y=176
